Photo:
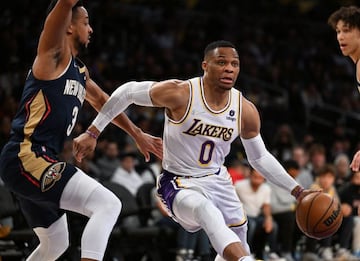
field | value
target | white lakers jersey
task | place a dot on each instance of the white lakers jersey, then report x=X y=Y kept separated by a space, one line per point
x=197 y=144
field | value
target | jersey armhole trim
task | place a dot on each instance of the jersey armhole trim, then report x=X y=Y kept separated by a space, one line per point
x=191 y=95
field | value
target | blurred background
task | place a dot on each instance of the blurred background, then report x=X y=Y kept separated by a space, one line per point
x=291 y=66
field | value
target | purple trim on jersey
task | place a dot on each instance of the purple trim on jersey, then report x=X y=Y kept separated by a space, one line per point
x=167 y=188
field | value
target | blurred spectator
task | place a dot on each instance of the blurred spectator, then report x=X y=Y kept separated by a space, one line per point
x=255 y=195
x=5 y=126
x=342 y=168
x=317 y=154
x=8 y=210
x=126 y=175
x=283 y=142
x=109 y=161
x=325 y=180
x=349 y=194
x=150 y=170
x=293 y=67
x=283 y=211
x=311 y=97
x=304 y=177
x=237 y=169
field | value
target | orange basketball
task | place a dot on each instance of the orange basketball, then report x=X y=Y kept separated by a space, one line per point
x=318 y=215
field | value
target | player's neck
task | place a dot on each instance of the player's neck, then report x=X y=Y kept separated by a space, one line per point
x=216 y=100
x=356 y=55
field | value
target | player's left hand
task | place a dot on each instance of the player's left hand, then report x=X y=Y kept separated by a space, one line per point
x=147 y=144
x=83 y=145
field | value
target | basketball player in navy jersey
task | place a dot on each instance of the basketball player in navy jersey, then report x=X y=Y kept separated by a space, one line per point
x=346 y=22
x=203 y=115
x=55 y=89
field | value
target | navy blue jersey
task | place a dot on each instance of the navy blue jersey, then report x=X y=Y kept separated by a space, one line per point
x=29 y=163
x=49 y=109
x=46 y=116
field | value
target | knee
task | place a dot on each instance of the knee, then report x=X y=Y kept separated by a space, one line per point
x=60 y=247
x=113 y=205
x=203 y=210
x=53 y=250
x=51 y=246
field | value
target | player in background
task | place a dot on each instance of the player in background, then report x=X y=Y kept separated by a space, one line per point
x=55 y=89
x=346 y=22
x=203 y=115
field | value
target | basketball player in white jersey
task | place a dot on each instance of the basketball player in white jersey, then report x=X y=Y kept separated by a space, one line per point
x=346 y=22
x=203 y=116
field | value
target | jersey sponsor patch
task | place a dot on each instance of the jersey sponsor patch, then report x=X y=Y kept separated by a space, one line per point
x=51 y=175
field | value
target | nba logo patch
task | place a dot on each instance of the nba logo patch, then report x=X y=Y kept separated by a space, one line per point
x=51 y=175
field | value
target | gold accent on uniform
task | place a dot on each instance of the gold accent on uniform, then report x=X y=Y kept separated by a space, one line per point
x=31 y=163
x=82 y=69
x=239 y=113
x=242 y=221
x=178 y=183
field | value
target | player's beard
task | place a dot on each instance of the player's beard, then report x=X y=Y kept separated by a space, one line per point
x=82 y=48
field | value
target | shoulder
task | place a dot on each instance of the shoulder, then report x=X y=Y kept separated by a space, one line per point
x=172 y=94
x=250 y=119
x=172 y=83
x=248 y=107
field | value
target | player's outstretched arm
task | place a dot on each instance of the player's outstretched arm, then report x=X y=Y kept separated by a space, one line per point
x=53 y=52
x=165 y=94
x=97 y=97
x=258 y=155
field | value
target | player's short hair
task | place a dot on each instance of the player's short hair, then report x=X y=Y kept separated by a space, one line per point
x=216 y=44
x=350 y=15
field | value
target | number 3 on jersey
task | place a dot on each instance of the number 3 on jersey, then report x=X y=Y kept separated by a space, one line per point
x=73 y=120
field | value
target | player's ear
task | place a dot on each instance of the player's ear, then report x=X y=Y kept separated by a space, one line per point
x=204 y=65
x=70 y=29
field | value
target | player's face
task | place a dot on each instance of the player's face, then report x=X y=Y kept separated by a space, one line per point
x=81 y=28
x=222 y=67
x=348 y=39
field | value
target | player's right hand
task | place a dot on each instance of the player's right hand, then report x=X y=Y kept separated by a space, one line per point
x=307 y=192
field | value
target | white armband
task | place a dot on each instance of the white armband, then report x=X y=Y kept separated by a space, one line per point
x=126 y=94
x=266 y=164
